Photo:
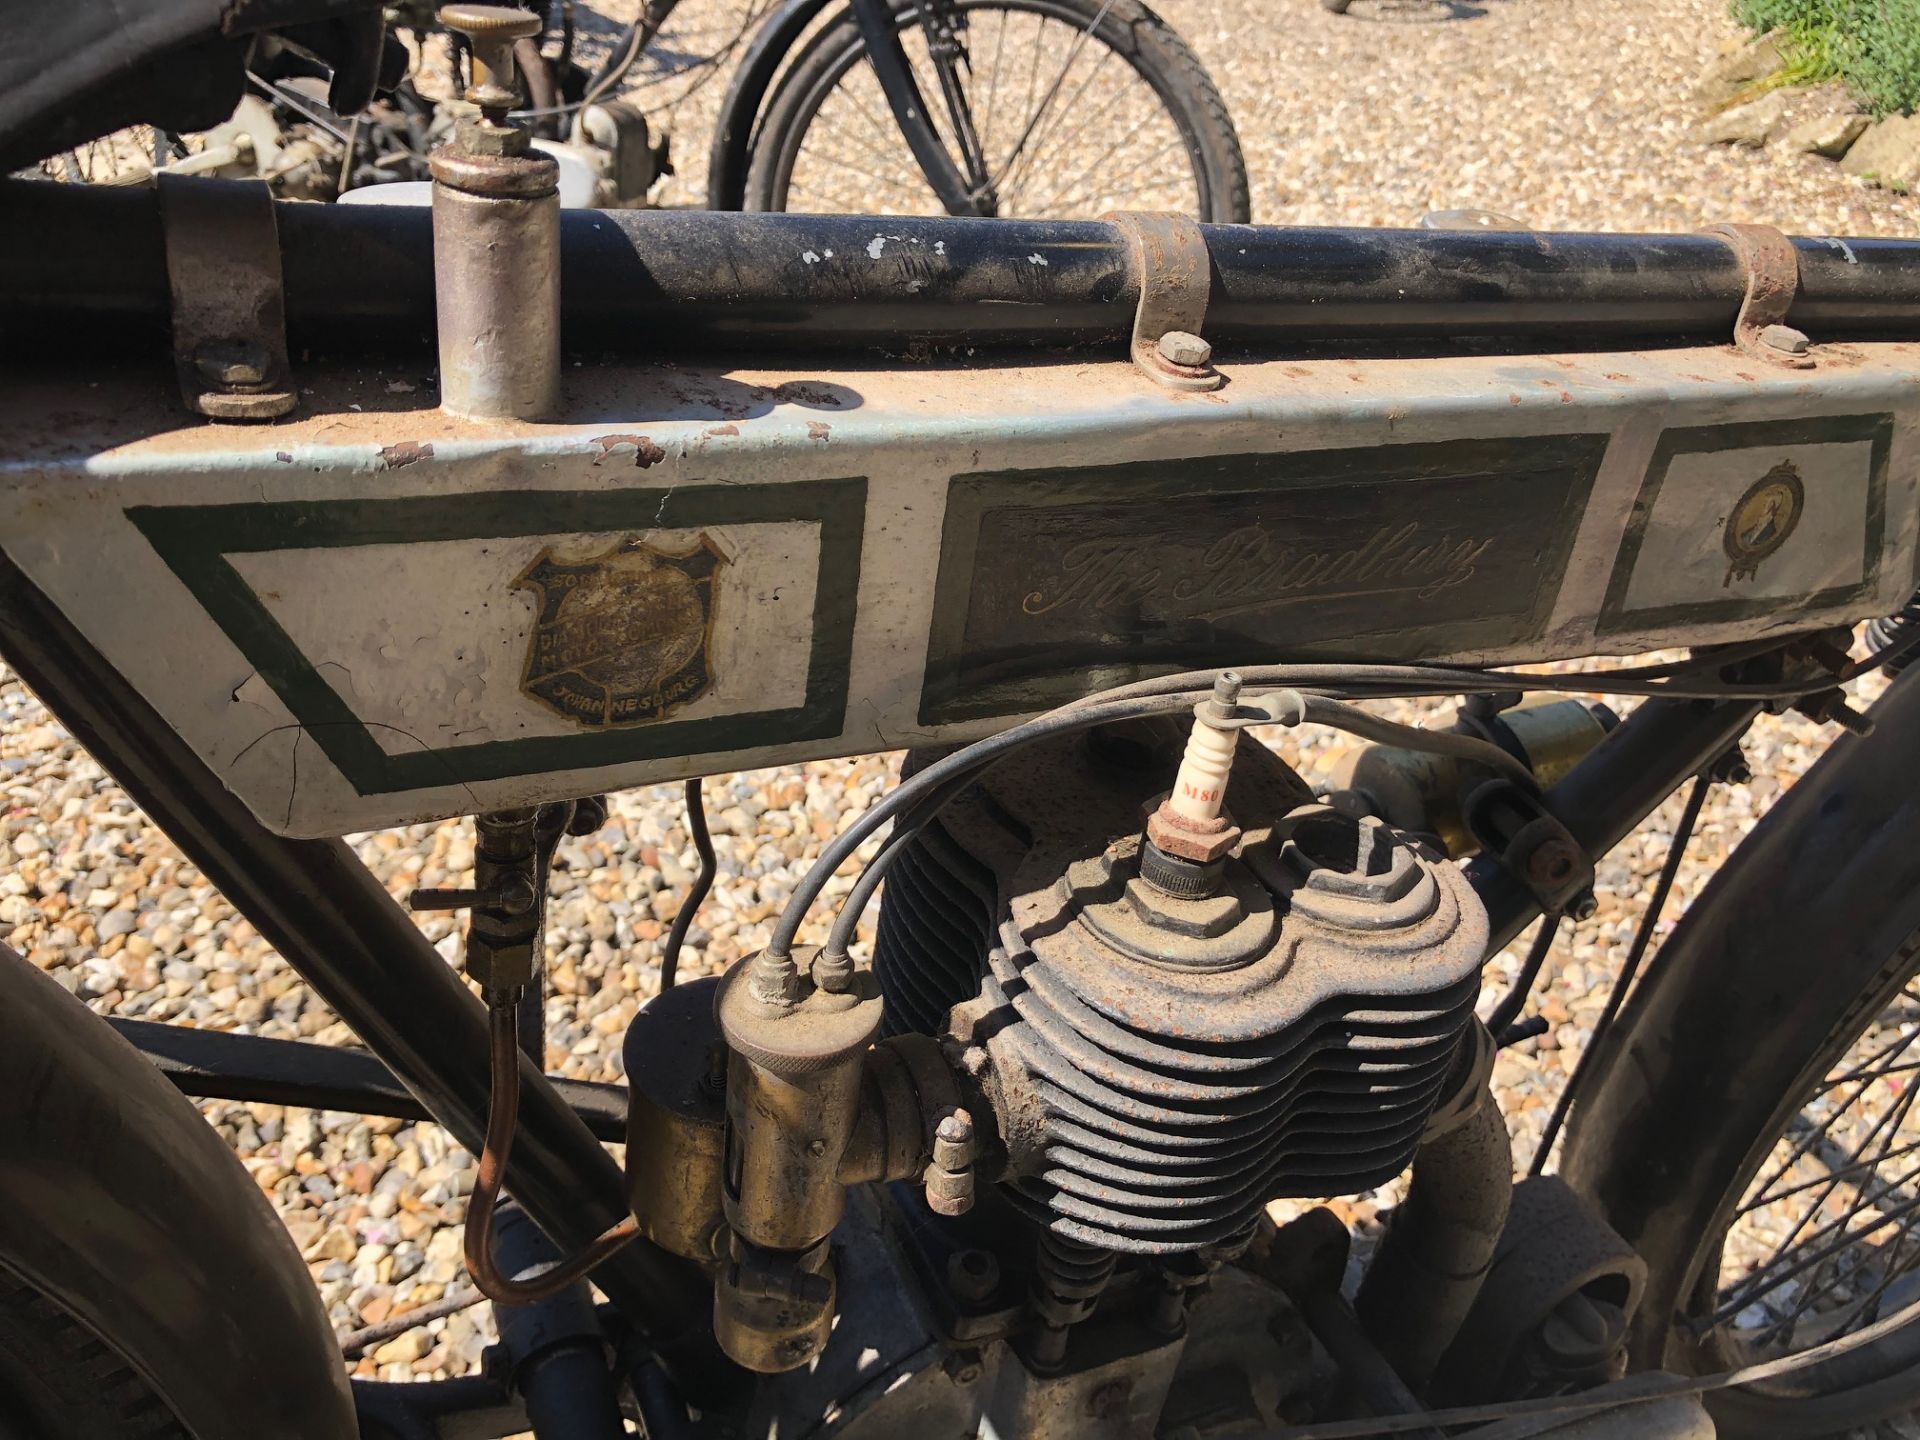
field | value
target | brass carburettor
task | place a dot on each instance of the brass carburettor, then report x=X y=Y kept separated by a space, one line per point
x=757 y=1099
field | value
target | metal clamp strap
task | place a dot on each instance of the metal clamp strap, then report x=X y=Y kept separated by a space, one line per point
x=1772 y=269
x=229 y=305
x=1173 y=278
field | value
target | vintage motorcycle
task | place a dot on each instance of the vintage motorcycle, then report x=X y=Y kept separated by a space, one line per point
x=1062 y=508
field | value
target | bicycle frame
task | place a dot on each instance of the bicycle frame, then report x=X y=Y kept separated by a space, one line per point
x=959 y=544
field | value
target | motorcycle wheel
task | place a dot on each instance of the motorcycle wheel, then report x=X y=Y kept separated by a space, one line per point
x=147 y=1291
x=1041 y=77
x=1749 y=1126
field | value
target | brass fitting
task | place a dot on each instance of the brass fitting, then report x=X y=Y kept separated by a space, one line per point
x=793 y=1100
x=496 y=240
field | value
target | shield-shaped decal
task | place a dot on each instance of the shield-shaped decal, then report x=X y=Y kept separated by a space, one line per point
x=622 y=638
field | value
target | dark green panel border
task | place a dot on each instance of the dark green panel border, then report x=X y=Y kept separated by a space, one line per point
x=194 y=541
x=950 y=694
x=1750 y=435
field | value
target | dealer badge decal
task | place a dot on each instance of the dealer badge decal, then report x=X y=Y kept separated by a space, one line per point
x=1762 y=520
x=625 y=637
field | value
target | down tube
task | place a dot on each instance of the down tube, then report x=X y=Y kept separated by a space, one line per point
x=334 y=923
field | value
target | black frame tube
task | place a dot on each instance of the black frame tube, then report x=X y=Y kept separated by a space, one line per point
x=82 y=266
x=334 y=923
x=1648 y=756
x=224 y=1065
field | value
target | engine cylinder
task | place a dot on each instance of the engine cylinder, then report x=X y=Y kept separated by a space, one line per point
x=1161 y=1067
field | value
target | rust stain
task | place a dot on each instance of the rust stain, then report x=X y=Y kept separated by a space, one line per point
x=393 y=457
x=1618 y=375
x=818 y=430
x=808 y=392
x=1512 y=399
x=727 y=429
x=645 y=452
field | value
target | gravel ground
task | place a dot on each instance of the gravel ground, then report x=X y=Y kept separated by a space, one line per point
x=1563 y=116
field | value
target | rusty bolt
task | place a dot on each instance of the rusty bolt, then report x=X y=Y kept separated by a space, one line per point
x=1177 y=347
x=234 y=367
x=949 y=1179
x=962 y=1366
x=972 y=1274
x=953 y=1141
x=1552 y=862
x=816 y=1148
x=949 y=1192
x=1785 y=339
x=1201 y=841
x=477 y=137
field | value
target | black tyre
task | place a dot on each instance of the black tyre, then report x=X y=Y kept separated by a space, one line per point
x=147 y=1291
x=1078 y=107
x=1751 y=1129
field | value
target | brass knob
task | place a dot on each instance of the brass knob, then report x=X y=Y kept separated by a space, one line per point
x=492 y=30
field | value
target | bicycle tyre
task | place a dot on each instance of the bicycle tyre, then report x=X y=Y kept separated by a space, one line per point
x=1154 y=50
x=1794 y=948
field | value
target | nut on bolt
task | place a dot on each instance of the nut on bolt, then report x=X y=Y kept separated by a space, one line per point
x=1201 y=841
x=972 y=1275
x=235 y=367
x=949 y=1179
x=1785 y=339
x=1179 y=347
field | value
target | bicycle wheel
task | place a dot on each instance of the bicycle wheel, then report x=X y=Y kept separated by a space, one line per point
x=1054 y=108
x=1753 y=1132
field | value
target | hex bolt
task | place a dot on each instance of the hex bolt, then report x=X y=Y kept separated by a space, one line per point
x=1178 y=347
x=1785 y=339
x=1226 y=693
x=234 y=367
x=972 y=1275
x=953 y=1141
x=949 y=1179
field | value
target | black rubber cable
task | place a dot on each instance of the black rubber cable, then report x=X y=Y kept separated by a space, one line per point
x=1650 y=917
x=1172 y=693
x=1511 y=1003
x=702 y=883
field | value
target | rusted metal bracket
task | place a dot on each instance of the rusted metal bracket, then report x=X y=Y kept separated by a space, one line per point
x=1772 y=269
x=1173 y=278
x=229 y=307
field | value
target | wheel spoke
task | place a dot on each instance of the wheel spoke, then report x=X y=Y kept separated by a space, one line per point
x=1053 y=90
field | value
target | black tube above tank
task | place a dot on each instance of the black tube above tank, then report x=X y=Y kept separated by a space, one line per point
x=83 y=263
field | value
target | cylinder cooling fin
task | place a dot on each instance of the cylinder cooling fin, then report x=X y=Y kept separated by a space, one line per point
x=1162 y=1066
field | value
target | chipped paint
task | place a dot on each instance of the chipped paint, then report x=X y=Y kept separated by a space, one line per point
x=645 y=452
x=398 y=456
